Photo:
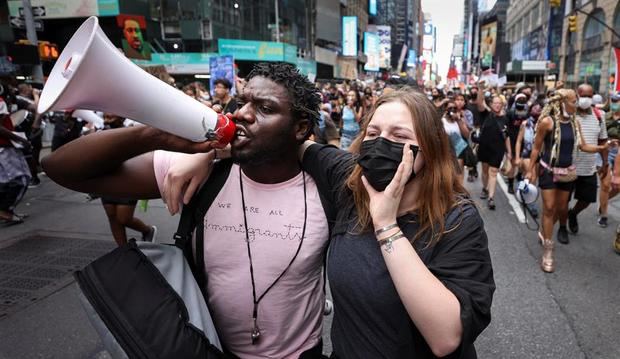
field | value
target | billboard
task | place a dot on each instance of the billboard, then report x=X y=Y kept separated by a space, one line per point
x=372 y=7
x=385 y=44
x=488 y=41
x=222 y=67
x=412 y=60
x=54 y=9
x=349 y=35
x=328 y=21
x=134 y=44
x=372 y=51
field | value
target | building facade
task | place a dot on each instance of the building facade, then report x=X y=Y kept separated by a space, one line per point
x=587 y=55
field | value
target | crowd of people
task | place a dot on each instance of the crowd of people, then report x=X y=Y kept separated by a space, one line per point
x=373 y=170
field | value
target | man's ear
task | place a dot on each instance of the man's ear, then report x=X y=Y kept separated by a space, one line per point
x=302 y=129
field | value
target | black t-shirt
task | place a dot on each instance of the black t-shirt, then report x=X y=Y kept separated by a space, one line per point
x=493 y=130
x=370 y=320
x=230 y=106
x=514 y=124
x=474 y=110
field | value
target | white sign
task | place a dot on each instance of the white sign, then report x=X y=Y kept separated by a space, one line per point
x=385 y=44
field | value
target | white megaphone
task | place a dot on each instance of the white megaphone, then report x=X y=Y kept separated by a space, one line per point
x=527 y=193
x=89 y=116
x=91 y=73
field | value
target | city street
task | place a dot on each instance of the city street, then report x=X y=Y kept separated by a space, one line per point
x=572 y=313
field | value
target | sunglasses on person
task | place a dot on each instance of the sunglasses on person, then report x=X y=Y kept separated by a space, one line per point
x=451 y=109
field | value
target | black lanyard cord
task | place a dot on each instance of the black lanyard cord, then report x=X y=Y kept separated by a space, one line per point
x=256 y=330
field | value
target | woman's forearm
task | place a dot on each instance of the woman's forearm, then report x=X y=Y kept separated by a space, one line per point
x=433 y=308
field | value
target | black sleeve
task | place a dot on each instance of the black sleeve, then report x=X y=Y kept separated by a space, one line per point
x=461 y=261
x=330 y=167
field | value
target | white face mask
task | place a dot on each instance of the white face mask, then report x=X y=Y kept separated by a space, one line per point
x=585 y=103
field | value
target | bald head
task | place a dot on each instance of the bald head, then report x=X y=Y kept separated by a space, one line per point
x=585 y=90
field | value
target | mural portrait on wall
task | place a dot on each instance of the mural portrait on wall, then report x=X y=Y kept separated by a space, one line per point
x=134 y=44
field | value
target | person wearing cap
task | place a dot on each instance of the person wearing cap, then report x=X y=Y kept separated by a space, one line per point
x=607 y=192
x=593 y=132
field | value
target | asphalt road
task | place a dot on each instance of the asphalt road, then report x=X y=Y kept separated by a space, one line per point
x=572 y=313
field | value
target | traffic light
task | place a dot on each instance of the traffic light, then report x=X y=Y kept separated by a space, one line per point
x=48 y=51
x=572 y=23
x=555 y=3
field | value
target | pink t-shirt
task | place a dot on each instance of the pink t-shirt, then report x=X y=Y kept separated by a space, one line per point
x=290 y=314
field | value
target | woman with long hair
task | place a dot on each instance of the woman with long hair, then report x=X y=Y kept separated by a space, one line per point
x=558 y=136
x=408 y=260
x=408 y=265
x=457 y=131
x=493 y=144
x=351 y=116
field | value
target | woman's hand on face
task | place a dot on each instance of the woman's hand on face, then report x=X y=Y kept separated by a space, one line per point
x=184 y=177
x=384 y=205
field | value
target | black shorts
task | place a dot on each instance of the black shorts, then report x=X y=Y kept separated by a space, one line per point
x=586 y=188
x=491 y=156
x=545 y=181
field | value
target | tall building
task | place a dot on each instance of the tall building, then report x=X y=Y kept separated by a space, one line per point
x=405 y=18
x=587 y=55
x=470 y=36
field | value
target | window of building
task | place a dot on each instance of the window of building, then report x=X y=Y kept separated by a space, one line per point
x=593 y=31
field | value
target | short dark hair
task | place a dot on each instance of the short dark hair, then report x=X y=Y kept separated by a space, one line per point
x=224 y=82
x=304 y=95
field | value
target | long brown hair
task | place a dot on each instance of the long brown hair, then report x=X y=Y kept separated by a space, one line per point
x=441 y=187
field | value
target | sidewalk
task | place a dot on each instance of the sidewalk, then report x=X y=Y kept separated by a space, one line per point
x=55 y=326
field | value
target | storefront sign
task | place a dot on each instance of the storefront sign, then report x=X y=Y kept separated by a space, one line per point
x=252 y=50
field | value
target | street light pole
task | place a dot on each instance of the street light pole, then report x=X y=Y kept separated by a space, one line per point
x=31 y=33
x=277 y=22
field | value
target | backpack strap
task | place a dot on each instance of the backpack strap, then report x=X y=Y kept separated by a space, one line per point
x=192 y=217
x=598 y=114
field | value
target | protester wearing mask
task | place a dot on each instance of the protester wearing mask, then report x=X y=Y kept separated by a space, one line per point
x=523 y=147
x=612 y=123
x=558 y=136
x=351 y=116
x=516 y=116
x=457 y=131
x=593 y=132
x=472 y=106
x=494 y=143
x=439 y=100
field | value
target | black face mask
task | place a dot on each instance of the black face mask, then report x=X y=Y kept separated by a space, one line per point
x=379 y=159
